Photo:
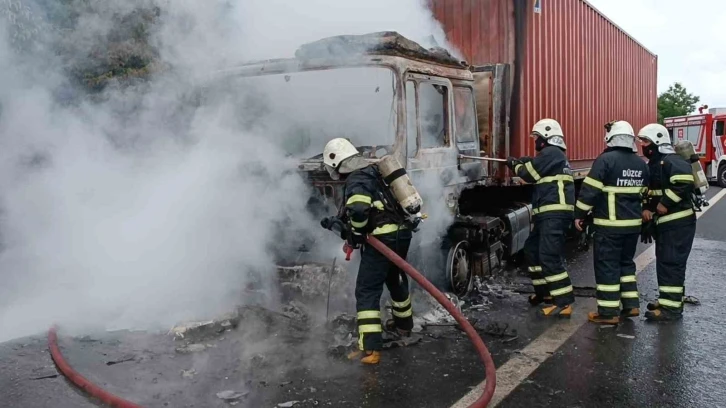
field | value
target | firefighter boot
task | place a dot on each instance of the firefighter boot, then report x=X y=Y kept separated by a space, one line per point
x=536 y=300
x=557 y=311
x=635 y=312
x=595 y=317
x=365 y=357
x=653 y=305
x=662 y=315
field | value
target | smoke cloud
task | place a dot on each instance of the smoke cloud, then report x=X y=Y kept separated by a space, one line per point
x=129 y=202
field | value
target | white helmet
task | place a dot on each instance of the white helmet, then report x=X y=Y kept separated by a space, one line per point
x=658 y=135
x=620 y=133
x=551 y=131
x=335 y=152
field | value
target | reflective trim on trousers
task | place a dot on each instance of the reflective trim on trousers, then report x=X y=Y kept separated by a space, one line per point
x=556 y=278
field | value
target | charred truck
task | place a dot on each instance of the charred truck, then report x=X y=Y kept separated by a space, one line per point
x=438 y=116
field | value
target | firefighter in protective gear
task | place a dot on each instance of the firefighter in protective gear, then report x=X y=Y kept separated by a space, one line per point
x=670 y=210
x=614 y=190
x=553 y=203
x=370 y=209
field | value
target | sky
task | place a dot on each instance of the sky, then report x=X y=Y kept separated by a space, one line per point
x=686 y=36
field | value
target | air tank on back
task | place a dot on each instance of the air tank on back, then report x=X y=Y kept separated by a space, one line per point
x=403 y=190
x=685 y=149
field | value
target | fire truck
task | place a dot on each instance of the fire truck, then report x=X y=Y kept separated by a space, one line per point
x=707 y=132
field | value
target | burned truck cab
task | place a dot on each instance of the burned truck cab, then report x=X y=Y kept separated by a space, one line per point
x=432 y=112
x=390 y=96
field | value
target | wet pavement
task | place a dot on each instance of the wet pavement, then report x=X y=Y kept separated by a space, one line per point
x=275 y=360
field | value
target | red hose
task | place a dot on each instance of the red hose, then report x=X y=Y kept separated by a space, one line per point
x=77 y=379
x=476 y=340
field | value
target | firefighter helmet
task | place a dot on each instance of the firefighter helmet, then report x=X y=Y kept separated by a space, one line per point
x=334 y=153
x=551 y=131
x=619 y=133
x=658 y=135
x=655 y=133
x=338 y=150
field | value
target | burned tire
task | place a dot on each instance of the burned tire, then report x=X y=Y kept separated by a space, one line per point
x=458 y=268
x=722 y=176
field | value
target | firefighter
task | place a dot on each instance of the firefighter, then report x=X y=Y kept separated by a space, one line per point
x=614 y=190
x=368 y=210
x=553 y=204
x=670 y=210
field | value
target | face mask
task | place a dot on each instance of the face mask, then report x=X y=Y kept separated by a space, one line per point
x=540 y=144
x=650 y=150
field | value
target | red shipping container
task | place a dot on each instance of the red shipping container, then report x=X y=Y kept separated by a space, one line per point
x=569 y=63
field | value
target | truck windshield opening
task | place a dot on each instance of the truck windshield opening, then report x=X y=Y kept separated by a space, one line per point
x=301 y=111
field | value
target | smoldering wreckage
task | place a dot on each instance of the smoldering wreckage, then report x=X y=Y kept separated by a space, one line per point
x=245 y=348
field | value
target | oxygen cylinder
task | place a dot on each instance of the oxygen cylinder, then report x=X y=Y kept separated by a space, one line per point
x=685 y=149
x=394 y=175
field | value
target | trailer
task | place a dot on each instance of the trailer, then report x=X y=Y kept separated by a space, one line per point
x=707 y=133
x=562 y=59
x=440 y=116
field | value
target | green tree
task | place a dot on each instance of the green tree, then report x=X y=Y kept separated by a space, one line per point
x=676 y=101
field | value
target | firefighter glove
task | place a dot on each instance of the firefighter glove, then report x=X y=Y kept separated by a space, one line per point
x=647 y=232
x=356 y=240
x=512 y=162
x=336 y=225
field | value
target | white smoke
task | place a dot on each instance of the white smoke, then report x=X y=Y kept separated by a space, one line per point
x=133 y=207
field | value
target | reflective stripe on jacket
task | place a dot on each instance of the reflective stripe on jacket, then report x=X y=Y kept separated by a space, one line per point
x=554 y=189
x=614 y=191
x=364 y=208
x=671 y=184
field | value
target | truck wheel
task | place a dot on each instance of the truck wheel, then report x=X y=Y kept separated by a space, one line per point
x=458 y=267
x=722 y=176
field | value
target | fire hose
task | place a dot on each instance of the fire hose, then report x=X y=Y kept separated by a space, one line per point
x=490 y=370
x=476 y=340
x=78 y=380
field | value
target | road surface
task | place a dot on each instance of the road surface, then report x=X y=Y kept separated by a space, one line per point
x=539 y=362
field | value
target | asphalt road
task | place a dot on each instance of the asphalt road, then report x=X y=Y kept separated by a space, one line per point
x=540 y=362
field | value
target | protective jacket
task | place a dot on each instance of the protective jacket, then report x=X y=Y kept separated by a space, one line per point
x=369 y=206
x=671 y=184
x=614 y=190
x=554 y=189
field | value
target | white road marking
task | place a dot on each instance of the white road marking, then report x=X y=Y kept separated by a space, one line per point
x=526 y=361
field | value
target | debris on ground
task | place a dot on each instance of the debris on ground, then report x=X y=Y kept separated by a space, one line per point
x=436 y=313
x=399 y=341
x=120 y=360
x=498 y=329
x=188 y=373
x=297 y=311
x=312 y=280
x=223 y=323
x=191 y=348
x=626 y=336
x=342 y=329
x=288 y=404
x=691 y=300
x=230 y=395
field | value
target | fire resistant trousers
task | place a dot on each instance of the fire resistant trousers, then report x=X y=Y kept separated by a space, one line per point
x=672 y=248
x=544 y=251
x=375 y=270
x=615 y=272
